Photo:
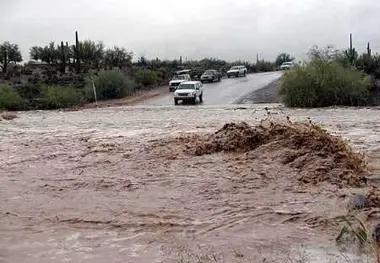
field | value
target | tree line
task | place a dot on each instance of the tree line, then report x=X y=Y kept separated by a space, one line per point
x=92 y=55
x=88 y=54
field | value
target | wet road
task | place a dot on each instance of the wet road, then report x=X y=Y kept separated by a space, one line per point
x=227 y=91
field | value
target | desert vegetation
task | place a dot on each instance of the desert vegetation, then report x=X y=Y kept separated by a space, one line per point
x=62 y=75
x=333 y=77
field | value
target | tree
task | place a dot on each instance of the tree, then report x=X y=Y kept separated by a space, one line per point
x=91 y=53
x=36 y=52
x=9 y=53
x=117 y=57
x=49 y=54
x=329 y=53
x=283 y=57
x=142 y=61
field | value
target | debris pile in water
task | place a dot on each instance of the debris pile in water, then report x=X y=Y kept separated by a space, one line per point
x=315 y=153
x=373 y=197
x=8 y=116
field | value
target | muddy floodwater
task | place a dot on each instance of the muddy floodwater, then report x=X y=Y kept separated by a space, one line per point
x=100 y=185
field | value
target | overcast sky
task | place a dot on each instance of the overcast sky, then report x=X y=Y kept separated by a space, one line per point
x=229 y=29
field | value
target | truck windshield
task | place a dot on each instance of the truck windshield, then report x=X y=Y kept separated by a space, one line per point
x=176 y=77
x=186 y=86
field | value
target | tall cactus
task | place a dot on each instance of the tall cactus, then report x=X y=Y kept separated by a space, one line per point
x=351 y=53
x=5 y=59
x=63 y=58
x=77 y=52
x=369 y=51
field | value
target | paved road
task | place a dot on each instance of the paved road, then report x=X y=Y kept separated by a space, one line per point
x=227 y=91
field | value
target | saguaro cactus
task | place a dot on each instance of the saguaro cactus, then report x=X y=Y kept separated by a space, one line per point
x=63 y=58
x=77 y=52
x=5 y=60
x=351 y=53
x=369 y=51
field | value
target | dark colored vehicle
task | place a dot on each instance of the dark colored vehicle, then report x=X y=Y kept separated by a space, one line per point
x=211 y=76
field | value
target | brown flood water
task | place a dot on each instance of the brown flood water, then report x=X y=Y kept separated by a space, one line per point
x=101 y=186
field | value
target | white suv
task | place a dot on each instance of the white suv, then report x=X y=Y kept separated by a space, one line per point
x=237 y=71
x=189 y=91
x=287 y=65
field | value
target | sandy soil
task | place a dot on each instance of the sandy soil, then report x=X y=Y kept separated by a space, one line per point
x=114 y=185
x=137 y=98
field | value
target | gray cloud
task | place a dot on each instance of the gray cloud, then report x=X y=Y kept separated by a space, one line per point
x=195 y=29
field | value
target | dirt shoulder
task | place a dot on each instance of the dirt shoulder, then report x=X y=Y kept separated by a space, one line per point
x=128 y=101
x=268 y=94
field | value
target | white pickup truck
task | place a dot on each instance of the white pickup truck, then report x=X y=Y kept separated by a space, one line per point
x=237 y=71
x=178 y=79
x=189 y=91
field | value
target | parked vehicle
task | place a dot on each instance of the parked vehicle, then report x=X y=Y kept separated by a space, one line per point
x=237 y=71
x=176 y=80
x=189 y=91
x=287 y=65
x=183 y=72
x=211 y=75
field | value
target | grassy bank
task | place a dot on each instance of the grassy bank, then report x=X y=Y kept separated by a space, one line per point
x=326 y=79
x=109 y=84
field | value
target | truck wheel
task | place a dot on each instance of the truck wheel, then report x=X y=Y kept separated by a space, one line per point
x=228 y=76
x=194 y=101
x=201 y=98
x=244 y=74
x=175 y=102
x=237 y=75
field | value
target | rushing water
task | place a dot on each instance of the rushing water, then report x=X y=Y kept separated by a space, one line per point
x=85 y=186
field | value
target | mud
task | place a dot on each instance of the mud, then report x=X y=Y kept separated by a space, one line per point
x=119 y=185
x=310 y=150
x=8 y=116
x=373 y=198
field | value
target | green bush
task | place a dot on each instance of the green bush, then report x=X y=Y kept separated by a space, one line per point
x=146 y=77
x=56 y=97
x=9 y=98
x=264 y=66
x=29 y=91
x=322 y=82
x=109 y=84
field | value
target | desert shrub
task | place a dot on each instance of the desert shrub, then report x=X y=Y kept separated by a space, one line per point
x=29 y=90
x=109 y=84
x=55 y=97
x=264 y=66
x=146 y=77
x=9 y=98
x=322 y=82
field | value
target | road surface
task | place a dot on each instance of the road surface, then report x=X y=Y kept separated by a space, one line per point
x=228 y=91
